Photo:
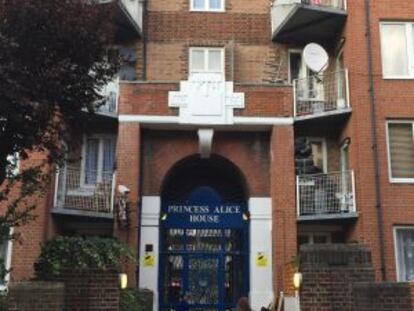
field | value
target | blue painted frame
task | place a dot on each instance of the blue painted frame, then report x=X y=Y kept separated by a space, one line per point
x=208 y=197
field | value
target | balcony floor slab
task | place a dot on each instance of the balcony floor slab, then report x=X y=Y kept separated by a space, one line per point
x=328 y=217
x=81 y=213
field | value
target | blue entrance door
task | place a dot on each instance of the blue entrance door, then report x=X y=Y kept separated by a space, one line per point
x=204 y=253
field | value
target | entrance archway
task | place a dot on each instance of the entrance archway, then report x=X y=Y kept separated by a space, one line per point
x=204 y=238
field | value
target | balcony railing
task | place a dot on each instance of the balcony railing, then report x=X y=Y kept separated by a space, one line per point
x=320 y=94
x=335 y=4
x=326 y=194
x=299 y=21
x=84 y=191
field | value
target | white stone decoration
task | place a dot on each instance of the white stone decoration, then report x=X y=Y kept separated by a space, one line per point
x=206 y=99
x=205 y=142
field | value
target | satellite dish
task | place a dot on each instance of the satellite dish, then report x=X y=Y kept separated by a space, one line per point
x=315 y=57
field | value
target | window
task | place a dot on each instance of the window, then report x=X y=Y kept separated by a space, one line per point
x=401 y=151
x=207 y=60
x=98 y=160
x=397 y=48
x=207 y=5
x=404 y=251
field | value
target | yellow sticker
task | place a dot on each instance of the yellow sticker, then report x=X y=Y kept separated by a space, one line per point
x=149 y=260
x=261 y=259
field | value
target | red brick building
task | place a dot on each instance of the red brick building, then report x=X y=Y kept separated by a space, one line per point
x=236 y=152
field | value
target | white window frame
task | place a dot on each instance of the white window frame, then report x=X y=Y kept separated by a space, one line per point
x=7 y=262
x=390 y=177
x=206 y=52
x=396 y=229
x=101 y=138
x=207 y=7
x=409 y=31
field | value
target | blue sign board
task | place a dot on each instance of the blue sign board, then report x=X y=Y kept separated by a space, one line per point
x=203 y=209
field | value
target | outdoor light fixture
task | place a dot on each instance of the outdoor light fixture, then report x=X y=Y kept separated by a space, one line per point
x=164 y=217
x=123 y=280
x=297 y=280
x=246 y=216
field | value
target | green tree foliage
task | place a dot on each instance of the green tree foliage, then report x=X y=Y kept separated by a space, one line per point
x=53 y=64
x=80 y=253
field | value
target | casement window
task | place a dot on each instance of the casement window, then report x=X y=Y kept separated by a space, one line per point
x=98 y=158
x=206 y=60
x=404 y=253
x=400 y=151
x=397 y=49
x=207 y=5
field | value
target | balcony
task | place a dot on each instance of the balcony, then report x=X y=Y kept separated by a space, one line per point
x=128 y=17
x=321 y=95
x=84 y=193
x=326 y=196
x=303 y=21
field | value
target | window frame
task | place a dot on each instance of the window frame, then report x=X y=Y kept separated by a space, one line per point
x=206 y=52
x=396 y=254
x=396 y=180
x=101 y=138
x=207 y=7
x=409 y=36
x=7 y=262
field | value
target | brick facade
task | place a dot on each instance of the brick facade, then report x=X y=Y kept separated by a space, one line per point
x=36 y=296
x=264 y=154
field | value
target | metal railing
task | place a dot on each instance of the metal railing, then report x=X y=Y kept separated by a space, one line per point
x=81 y=190
x=332 y=193
x=336 y=4
x=321 y=93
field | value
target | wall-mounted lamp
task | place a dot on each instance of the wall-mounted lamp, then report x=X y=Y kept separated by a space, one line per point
x=164 y=216
x=297 y=280
x=123 y=280
x=246 y=216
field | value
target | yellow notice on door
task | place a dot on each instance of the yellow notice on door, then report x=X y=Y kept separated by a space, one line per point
x=149 y=260
x=261 y=259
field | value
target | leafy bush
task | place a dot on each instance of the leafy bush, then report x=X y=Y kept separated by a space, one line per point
x=3 y=301
x=80 y=253
x=135 y=300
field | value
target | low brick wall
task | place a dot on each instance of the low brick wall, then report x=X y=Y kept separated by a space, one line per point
x=36 y=296
x=382 y=297
x=329 y=272
x=91 y=290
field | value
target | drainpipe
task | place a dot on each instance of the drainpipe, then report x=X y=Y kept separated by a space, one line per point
x=144 y=39
x=374 y=140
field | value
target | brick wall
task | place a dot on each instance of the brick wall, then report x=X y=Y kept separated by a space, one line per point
x=36 y=296
x=382 y=297
x=328 y=274
x=90 y=290
x=152 y=99
x=282 y=190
